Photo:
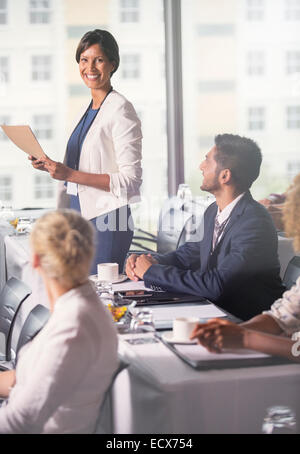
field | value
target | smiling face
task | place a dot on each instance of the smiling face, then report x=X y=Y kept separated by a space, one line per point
x=95 y=68
x=209 y=168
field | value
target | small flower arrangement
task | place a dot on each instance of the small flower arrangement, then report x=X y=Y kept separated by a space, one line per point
x=117 y=311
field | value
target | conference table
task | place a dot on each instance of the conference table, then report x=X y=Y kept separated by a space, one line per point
x=158 y=393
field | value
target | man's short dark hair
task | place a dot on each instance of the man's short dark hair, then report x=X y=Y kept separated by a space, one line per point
x=107 y=43
x=241 y=156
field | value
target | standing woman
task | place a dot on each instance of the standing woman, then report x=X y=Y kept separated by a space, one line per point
x=101 y=173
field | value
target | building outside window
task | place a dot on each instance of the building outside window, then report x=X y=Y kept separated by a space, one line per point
x=4 y=69
x=293 y=117
x=256 y=118
x=41 y=67
x=293 y=62
x=255 y=63
x=39 y=11
x=6 y=188
x=131 y=66
x=292 y=10
x=43 y=187
x=129 y=11
x=293 y=169
x=4 y=120
x=3 y=12
x=43 y=126
x=255 y=10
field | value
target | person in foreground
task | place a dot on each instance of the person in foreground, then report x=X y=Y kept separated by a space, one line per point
x=235 y=265
x=101 y=174
x=270 y=331
x=62 y=374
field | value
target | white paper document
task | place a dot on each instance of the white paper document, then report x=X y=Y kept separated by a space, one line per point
x=170 y=312
x=197 y=352
x=130 y=286
x=23 y=137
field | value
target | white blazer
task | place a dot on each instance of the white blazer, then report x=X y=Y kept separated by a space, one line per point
x=64 y=372
x=113 y=146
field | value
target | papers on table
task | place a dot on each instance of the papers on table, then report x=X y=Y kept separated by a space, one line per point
x=23 y=137
x=130 y=286
x=170 y=312
x=197 y=352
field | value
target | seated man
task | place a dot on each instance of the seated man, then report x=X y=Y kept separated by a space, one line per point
x=235 y=265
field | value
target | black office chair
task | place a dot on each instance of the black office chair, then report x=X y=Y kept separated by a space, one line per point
x=33 y=324
x=104 y=422
x=13 y=294
x=292 y=272
x=177 y=223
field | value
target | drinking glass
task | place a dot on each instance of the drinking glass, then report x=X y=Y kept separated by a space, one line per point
x=142 y=320
x=280 y=420
x=184 y=192
x=105 y=290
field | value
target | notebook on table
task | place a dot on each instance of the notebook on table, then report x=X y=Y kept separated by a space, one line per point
x=199 y=358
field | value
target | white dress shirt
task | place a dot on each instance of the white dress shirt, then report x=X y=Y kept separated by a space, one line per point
x=113 y=146
x=63 y=373
x=224 y=215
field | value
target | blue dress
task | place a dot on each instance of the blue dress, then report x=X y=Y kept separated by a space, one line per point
x=113 y=242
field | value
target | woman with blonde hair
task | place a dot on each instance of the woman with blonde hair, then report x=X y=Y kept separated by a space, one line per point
x=274 y=331
x=63 y=373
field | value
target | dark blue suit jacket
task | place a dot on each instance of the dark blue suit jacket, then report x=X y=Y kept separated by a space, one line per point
x=241 y=275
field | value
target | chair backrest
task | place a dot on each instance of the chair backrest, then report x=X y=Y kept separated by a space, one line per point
x=13 y=294
x=33 y=324
x=292 y=272
x=104 y=422
x=178 y=222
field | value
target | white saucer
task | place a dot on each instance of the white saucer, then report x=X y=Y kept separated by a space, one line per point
x=122 y=278
x=168 y=337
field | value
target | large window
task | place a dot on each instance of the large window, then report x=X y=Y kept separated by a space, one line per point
x=241 y=67
x=54 y=28
x=240 y=74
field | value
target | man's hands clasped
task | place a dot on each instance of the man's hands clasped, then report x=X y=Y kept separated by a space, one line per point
x=137 y=265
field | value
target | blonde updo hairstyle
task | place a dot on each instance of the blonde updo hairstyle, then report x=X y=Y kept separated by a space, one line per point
x=64 y=242
x=291 y=212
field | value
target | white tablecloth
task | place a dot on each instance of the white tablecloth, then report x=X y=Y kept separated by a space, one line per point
x=160 y=394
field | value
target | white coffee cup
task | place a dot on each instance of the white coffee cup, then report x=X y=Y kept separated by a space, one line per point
x=183 y=327
x=108 y=272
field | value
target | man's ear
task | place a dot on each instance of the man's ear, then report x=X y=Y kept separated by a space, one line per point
x=225 y=176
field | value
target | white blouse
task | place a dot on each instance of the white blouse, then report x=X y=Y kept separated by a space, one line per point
x=63 y=373
x=286 y=310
